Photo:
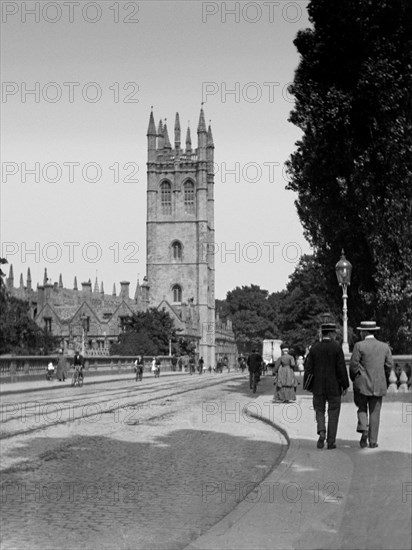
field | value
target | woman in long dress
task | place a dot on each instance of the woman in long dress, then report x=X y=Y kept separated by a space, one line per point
x=285 y=377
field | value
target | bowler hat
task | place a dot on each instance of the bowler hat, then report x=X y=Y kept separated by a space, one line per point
x=368 y=325
x=326 y=327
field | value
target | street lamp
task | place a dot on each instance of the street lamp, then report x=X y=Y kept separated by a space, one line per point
x=343 y=272
x=83 y=320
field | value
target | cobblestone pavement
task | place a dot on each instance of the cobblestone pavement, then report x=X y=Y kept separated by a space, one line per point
x=157 y=477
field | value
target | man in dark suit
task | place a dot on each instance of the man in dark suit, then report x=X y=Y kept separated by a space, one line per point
x=254 y=363
x=370 y=364
x=326 y=363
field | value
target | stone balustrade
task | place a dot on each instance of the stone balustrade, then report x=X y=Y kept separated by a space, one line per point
x=400 y=376
x=20 y=368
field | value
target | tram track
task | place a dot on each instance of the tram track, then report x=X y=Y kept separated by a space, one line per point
x=82 y=408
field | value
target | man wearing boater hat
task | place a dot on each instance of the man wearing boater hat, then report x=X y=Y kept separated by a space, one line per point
x=326 y=363
x=370 y=358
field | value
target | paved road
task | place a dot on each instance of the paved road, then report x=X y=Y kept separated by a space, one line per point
x=122 y=466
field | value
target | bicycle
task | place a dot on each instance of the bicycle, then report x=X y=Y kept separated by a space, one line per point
x=77 y=378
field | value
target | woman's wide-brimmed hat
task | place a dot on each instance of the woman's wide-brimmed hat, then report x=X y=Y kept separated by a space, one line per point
x=368 y=325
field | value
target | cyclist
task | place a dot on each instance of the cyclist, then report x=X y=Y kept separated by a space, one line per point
x=78 y=364
x=50 y=371
x=254 y=363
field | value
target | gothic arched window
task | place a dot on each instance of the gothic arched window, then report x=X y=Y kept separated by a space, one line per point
x=166 y=197
x=177 y=250
x=177 y=293
x=189 y=197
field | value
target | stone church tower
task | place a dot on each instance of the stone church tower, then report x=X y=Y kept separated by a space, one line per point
x=180 y=228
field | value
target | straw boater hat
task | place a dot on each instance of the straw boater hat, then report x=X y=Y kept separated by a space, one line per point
x=326 y=327
x=368 y=325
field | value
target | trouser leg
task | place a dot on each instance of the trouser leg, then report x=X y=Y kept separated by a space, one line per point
x=333 y=417
x=319 y=404
x=361 y=401
x=375 y=404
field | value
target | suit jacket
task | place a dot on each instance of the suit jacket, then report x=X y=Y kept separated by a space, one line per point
x=254 y=362
x=370 y=358
x=327 y=364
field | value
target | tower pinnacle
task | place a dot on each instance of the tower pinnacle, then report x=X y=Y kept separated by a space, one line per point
x=177 y=132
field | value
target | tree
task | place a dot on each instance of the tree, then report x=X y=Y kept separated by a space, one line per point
x=147 y=333
x=19 y=334
x=352 y=169
x=251 y=315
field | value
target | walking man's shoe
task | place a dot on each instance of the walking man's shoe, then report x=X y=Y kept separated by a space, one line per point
x=363 y=440
x=373 y=445
x=321 y=441
x=331 y=445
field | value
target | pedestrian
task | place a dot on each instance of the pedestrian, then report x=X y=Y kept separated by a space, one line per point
x=61 y=367
x=158 y=366
x=369 y=368
x=154 y=367
x=192 y=364
x=326 y=363
x=300 y=365
x=285 y=380
x=180 y=363
x=174 y=362
x=254 y=363
x=138 y=366
x=201 y=363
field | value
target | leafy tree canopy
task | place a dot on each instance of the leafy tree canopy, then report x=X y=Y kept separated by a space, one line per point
x=147 y=333
x=352 y=170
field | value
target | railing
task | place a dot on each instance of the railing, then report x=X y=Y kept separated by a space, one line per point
x=20 y=368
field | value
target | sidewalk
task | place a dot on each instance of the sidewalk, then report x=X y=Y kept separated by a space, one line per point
x=345 y=498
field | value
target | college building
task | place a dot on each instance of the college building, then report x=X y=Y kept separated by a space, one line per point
x=180 y=268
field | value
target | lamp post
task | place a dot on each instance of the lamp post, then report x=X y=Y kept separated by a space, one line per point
x=343 y=273
x=83 y=320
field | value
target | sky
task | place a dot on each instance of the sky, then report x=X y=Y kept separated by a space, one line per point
x=79 y=79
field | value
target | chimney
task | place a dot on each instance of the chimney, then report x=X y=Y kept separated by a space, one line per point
x=124 y=289
x=87 y=287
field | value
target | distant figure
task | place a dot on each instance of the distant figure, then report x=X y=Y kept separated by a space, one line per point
x=61 y=367
x=201 y=363
x=138 y=366
x=326 y=363
x=192 y=364
x=78 y=363
x=50 y=371
x=254 y=363
x=180 y=363
x=370 y=363
x=300 y=365
x=155 y=368
x=285 y=380
x=174 y=362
